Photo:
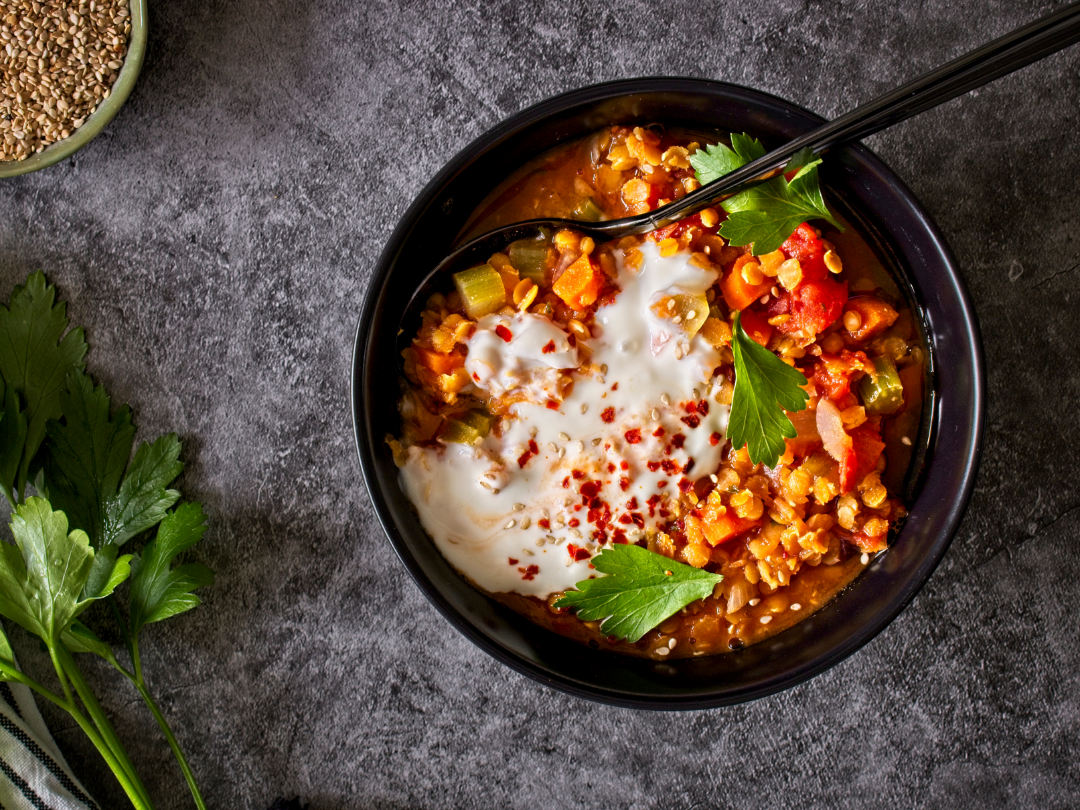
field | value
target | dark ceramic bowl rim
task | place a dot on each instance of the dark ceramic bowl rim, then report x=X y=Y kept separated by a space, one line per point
x=948 y=482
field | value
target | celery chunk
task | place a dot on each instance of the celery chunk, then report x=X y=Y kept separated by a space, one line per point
x=468 y=428
x=885 y=394
x=481 y=288
x=587 y=210
x=529 y=257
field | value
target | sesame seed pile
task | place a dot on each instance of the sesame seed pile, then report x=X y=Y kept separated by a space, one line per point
x=58 y=61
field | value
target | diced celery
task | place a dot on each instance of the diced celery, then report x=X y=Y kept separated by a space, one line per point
x=587 y=210
x=468 y=427
x=482 y=290
x=529 y=257
x=885 y=394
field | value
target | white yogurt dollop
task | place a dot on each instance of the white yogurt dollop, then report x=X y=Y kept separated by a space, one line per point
x=519 y=517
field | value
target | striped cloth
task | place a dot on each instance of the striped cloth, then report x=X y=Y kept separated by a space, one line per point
x=33 y=773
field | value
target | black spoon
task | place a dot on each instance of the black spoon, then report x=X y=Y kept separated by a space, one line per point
x=981 y=66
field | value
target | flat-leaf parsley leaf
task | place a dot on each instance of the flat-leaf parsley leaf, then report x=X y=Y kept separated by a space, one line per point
x=641 y=589
x=765 y=386
x=767 y=214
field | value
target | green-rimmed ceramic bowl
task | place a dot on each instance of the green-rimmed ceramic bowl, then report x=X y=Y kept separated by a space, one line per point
x=121 y=89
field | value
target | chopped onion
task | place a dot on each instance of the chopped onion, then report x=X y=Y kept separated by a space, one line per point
x=741 y=592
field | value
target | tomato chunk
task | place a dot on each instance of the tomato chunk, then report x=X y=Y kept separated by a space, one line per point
x=756 y=326
x=806 y=246
x=813 y=307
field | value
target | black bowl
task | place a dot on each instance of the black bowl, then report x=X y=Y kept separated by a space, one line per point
x=887 y=213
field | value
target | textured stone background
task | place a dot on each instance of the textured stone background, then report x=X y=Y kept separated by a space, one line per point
x=215 y=241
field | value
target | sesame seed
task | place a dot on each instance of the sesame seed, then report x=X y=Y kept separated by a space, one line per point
x=714 y=479
x=550 y=538
x=755 y=602
x=490 y=476
x=575 y=532
x=532 y=433
x=567 y=501
x=581 y=447
x=678 y=352
x=596 y=442
x=697 y=394
x=510 y=524
x=543 y=513
x=671 y=644
x=526 y=522
x=677 y=319
x=554 y=448
x=764 y=299
x=655 y=414
x=485 y=484
x=603 y=368
x=662 y=651
x=796 y=606
x=518 y=507
x=562 y=452
x=560 y=520
x=539 y=541
x=671 y=303
x=665 y=399
x=865 y=558
x=564 y=437
x=584 y=407
x=528 y=553
x=766 y=619
x=601 y=380
x=568 y=562
x=691 y=315
x=905 y=441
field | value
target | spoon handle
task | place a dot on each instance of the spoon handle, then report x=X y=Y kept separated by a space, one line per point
x=974 y=69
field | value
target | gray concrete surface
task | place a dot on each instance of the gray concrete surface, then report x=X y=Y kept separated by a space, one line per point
x=216 y=242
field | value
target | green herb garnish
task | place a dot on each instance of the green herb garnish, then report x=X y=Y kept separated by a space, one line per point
x=641 y=590
x=765 y=386
x=767 y=214
x=58 y=431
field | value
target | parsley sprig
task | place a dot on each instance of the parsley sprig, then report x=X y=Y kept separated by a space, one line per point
x=59 y=431
x=767 y=214
x=641 y=589
x=765 y=386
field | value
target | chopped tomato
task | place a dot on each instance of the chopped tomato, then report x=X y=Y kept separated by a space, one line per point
x=756 y=326
x=834 y=374
x=868 y=446
x=806 y=246
x=675 y=229
x=813 y=307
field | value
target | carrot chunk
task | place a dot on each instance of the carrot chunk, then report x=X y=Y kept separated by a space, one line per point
x=437 y=362
x=875 y=316
x=579 y=284
x=739 y=294
x=726 y=527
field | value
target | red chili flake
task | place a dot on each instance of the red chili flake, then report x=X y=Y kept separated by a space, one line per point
x=691 y=407
x=566 y=482
x=625 y=518
x=608 y=415
x=624 y=483
x=610 y=467
x=703 y=407
x=670 y=467
x=593 y=567
x=620 y=537
x=552 y=405
x=578 y=474
x=549 y=347
x=512 y=561
x=476 y=376
x=678 y=440
x=661 y=484
x=714 y=439
x=692 y=420
x=638 y=519
x=665 y=513
x=530 y=572
x=599 y=535
x=631 y=504
x=685 y=484
x=651 y=503
x=577 y=554
x=633 y=436
x=658 y=432
x=544 y=524
x=523 y=459
x=653 y=466
x=688 y=466
x=504 y=333
x=573 y=523
x=615 y=387
x=572 y=340
x=590 y=489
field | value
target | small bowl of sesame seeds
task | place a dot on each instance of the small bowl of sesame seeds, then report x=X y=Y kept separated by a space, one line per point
x=66 y=68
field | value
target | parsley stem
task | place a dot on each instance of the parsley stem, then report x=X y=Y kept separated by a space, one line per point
x=164 y=725
x=127 y=782
x=63 y=655
x=12 y=674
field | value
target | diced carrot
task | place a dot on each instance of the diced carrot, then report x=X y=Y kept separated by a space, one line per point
x=579 y=284
x=756 y=326
x=439 y=363
x=805 y=423
x=727 y=527
x=875 y=315
x=739 y=294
